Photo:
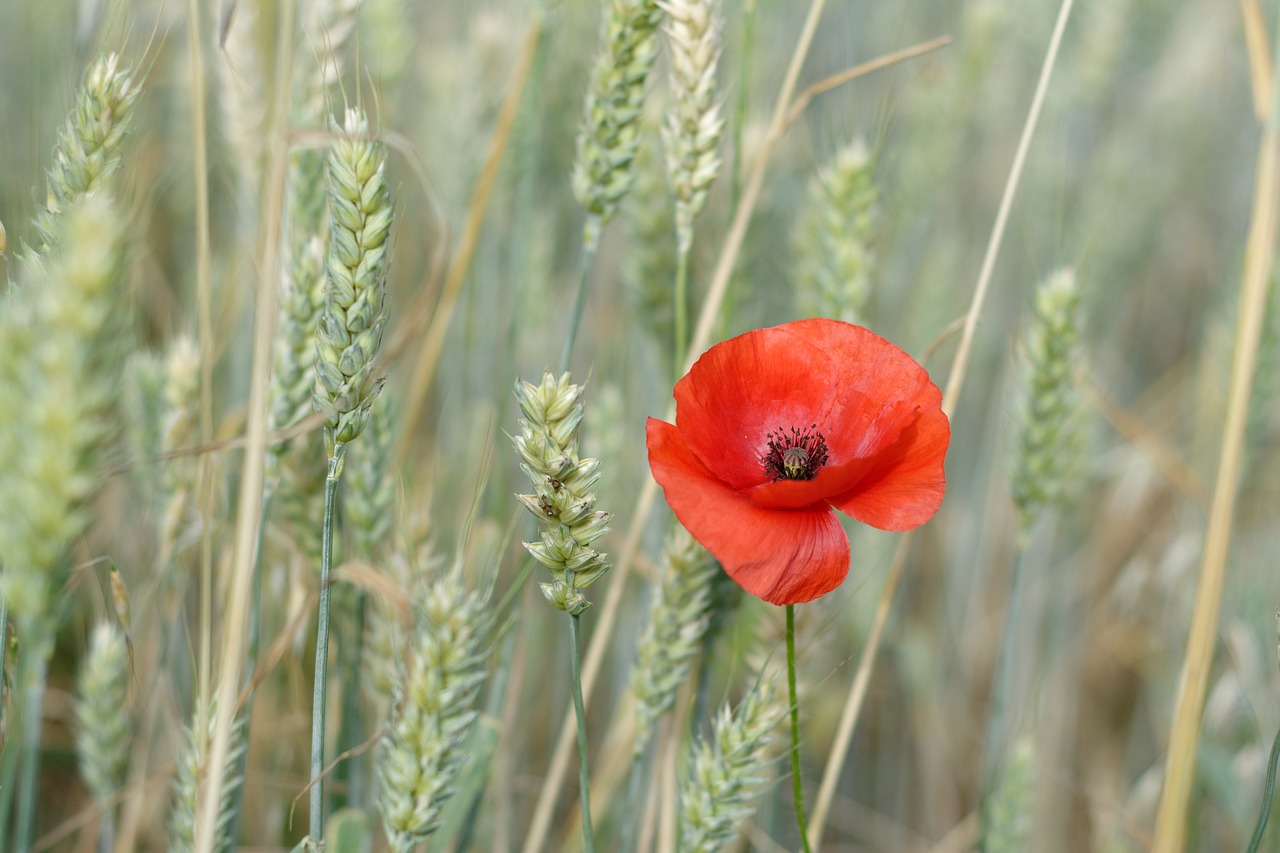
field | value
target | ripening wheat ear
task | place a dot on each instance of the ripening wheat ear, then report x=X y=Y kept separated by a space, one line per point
x=61 y=362
x=422 y=752
x=832 y=241
x=182 y=819
x=564 y=503
x=351 y=328
x=1048 y=426
x=609 y=136
x=678 y=620
x=88 y=147
x=103 y=725
x=692 y=131
x=727 y=772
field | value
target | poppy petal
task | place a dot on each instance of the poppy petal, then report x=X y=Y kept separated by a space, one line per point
x=742 y=389
x=906 y=489
x=781 y=556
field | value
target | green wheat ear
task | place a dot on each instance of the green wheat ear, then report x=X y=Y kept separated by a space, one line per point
x=678 y=620
x=60 y=366
x=693 y=128
x=1048 y=417
x=727 y=772
x=350 y=331
x=103 y=725
x=832 y=243
x=609 y=137
x=191 y=773
x=563 y=502
x=87 y=152
x=422 y=751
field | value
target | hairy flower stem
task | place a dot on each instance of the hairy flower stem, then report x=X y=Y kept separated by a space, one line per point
x=797 y=788
x=320 y=691
x=590 y=242
x=584 y=774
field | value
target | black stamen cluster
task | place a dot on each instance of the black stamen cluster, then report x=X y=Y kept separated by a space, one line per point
x=795 y=455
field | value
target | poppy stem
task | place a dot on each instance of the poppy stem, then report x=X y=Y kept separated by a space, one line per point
x=796 y=785
x=580 y=711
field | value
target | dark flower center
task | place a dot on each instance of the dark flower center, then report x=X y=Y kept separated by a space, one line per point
x=795 y=455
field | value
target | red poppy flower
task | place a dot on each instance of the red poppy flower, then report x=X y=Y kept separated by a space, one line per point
x=776 y=427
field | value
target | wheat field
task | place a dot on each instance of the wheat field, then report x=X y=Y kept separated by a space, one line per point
x=329 y=331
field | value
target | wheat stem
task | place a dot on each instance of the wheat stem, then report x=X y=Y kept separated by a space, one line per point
x=320 y=687
x=37 y=645
x=580 y=712
x=590 y=242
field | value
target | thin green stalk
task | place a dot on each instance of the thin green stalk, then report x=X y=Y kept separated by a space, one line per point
x=1267 y=792
x=590 y=242
x=635 y=785
x=322 y=652
x=351 y=727
x=584 y=776
x=796 y=786
x=994 y=749
x=4 y=655
x=682 y=303
x=8 y=772
x=35 y=671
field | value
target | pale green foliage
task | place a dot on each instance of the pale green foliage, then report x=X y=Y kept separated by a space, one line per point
x=59 y=370
x=1048 y=427
x=692 y=131
x=678 y=620
x=191 y=773
x=832 y=241
x=422 y=751
x=609 y=136
x=727 y=773
x=88 y=147
x=351 y=329
x=563 y=503
x=103 y=724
